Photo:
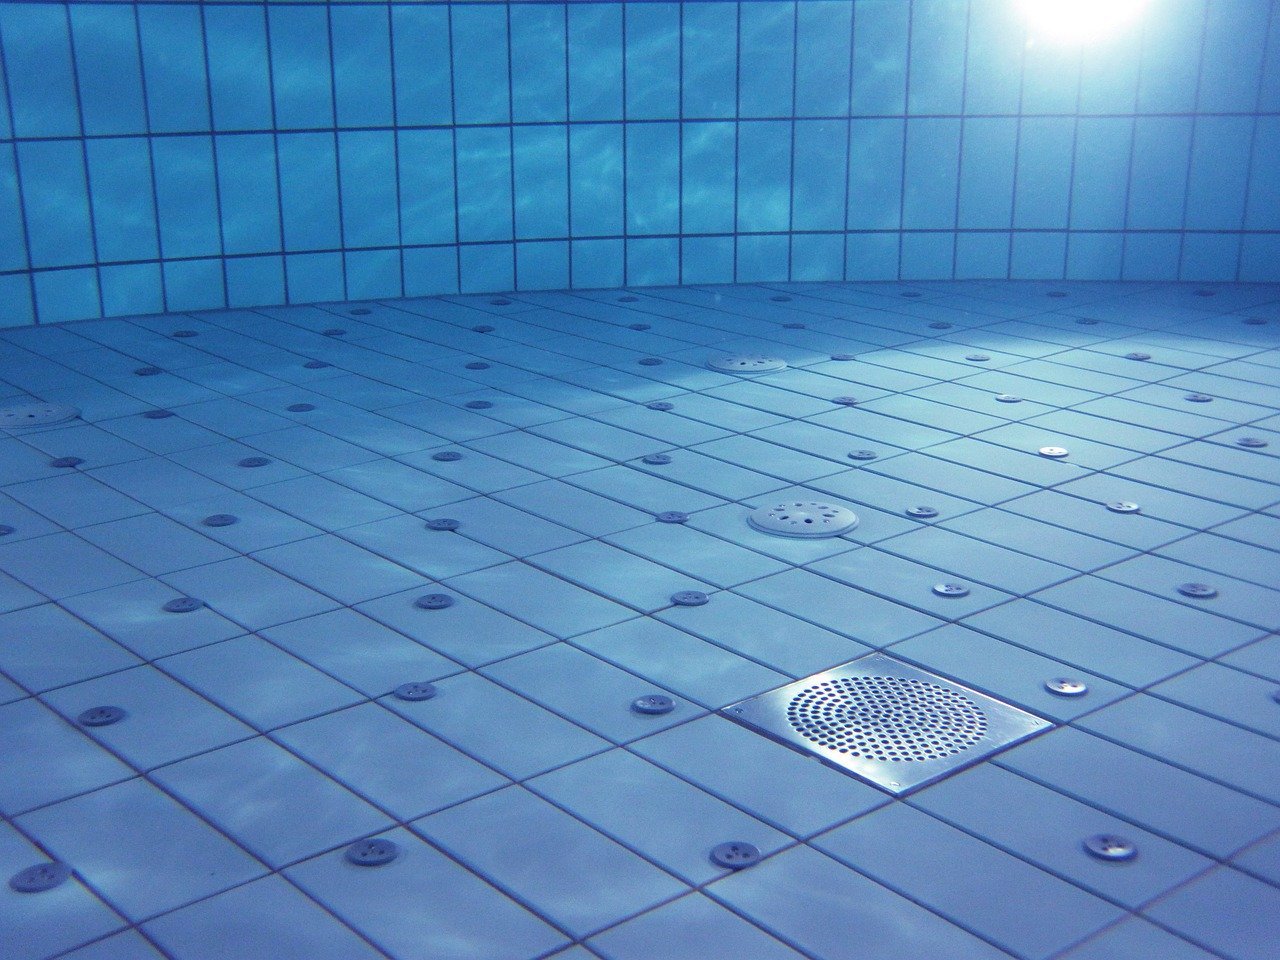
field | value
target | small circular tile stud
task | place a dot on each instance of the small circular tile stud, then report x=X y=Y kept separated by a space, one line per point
x=653 y=704
x=251 y=462
x=477 y=365
x=317 y=364
x=334 y=332
x=483 y=328
x=1197 y=591
x=1108 y=846
x=656 y=459
x=433 y=601
x=360 y=311
x=1252 y=443
x=844 y=356
x=39 y=878
x=1066 y=687
x=220 y=520
x=500 y=302
x=793 y=326
x=951 y=590
x=371 y=853
x=300 y=407
x=977 y=357
x=1123 y=506
x=689 y=598
x=628 y=299
x=415 y=691
x=862 y=455
x=6 y=530
x=673 y=516
x=66 y=463
x=158 y=414
x=1198 y=398
x=443 y=523
x=1007 y=398
x=183 y=605
x=662 y=406
x=735 y=855
x=650 y=361
x=148 y=372
x=921 y=513
x=845 y=401
x=103 y=716
x=940 y=325
x=1137 y=355
x=479 y=404
x=1087 y=322
x=447 y=456
x=185 y=334
x=1053 y=453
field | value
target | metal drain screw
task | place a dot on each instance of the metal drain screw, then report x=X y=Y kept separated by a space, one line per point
x=660 y=405
x=922 y=513
x=653 y=704
x=673 y=516
x=477 y=365
x=845 y=401
x=1007 y=398
x=1137 y=355
x=101 y=716
x=147 y=372
x=862 y=455
x=1066 y=687
x=446 y=456
x=656 y=459
x=483 y=328
x=977 y=357
x=689 y=598
x=5 y=530
x=300 y=407
x=1053 y=453
x=158 y=414
x=220 y=520
x=844 y=356
x=735 y=855
x=415 y=691
x=1198 y=398
x=443 y=523
x=1198 y=591
x=638 y=326
x=254 y=462
x=1253 y=443
x=371 y=853
x=479 y=404
x=433 y=601
x=1106 y=846
x=649 y=362
x=317 y=364
x=183 y=605
x=334 y=332
x=41 y=877
x=1123 y=506
x=951 y=590
x=66 y=462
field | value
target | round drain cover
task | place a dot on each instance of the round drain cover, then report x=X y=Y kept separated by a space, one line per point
x=862 y=455
x=1198 y=591
x=1136 y=355
x=1124 y=506
x=255 y=461
x=477 y=365
x=64 y=463
x=101 y=716
x=845 y=401
x=673 y=516
x=483 y=328
x=844 y=356
x=922 y=513
x=443 y=523
x=5 y=529
x=479 y=404
x=147 y=372
x=886 y=718
x=650 y=362
x=656 y=459
x=183 y=605
x=446 y=456
x=951 y=590
x=977 y=357
x=804 y=518
x=372 y=853
x=653 y=703
x=433 y=601
x=1054 y=453
x=1007 y=398
x=689 y=598
x=1253 y=443
x=661 y=405
x=316 y=364
x=41 y=877
x=1106 y=846
x=418 y=690
x=735 y=855
x=300 y=407
x=220 y=520
x=1198 y=398
x=158 y=414
x=1066 y=687
x=746 y=363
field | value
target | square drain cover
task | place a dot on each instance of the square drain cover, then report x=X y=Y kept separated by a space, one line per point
x=886 y=722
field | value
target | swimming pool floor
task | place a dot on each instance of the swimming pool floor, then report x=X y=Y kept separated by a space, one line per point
x=279 y=466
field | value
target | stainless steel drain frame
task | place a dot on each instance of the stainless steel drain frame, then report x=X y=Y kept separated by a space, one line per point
x=886 y=722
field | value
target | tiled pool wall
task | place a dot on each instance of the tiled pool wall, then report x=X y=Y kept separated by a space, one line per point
x=178 y=156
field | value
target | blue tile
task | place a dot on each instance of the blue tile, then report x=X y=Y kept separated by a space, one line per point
x=39 y=68
x=691 y=928
x=1225 y=911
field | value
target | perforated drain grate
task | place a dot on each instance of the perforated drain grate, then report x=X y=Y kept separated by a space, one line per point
x=746 y=363
x=35 y=415
x=886 y=722
x=810 y=519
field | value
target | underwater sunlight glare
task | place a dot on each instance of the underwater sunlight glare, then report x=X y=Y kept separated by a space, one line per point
x=1078 y=21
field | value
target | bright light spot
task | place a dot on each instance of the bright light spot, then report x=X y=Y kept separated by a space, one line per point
x=1078 y=21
